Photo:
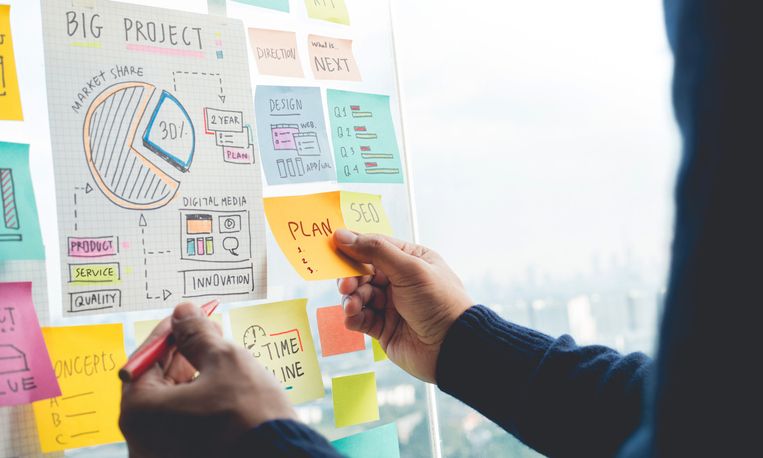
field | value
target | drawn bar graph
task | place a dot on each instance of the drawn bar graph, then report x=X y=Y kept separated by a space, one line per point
x=10 y=212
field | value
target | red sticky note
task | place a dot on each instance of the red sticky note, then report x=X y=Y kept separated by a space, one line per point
x=335 y=338
x=26 y=374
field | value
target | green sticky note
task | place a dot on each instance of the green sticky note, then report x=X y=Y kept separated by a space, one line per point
x=280 y=5
x=20 y=236
x=378 y=442
x=328 y=10
x=354 y=399
x=379 y=354
x=365 y=143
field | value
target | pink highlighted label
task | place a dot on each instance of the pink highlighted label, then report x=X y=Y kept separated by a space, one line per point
x=238 y=155
x=165 y=51
x=92 y=247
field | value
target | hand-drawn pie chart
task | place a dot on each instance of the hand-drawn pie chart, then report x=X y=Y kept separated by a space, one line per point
x=122 y=160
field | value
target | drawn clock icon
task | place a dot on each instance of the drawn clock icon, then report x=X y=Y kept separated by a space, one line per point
x=250 y=338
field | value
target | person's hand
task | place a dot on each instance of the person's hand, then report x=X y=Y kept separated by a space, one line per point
x=173 y=411
x=409 y=302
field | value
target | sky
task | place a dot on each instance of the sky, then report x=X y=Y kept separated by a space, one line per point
x=541 y=132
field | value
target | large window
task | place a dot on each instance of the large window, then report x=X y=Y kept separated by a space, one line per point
x=543 y=149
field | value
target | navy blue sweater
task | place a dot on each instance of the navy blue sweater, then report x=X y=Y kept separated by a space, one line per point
x=699 y=397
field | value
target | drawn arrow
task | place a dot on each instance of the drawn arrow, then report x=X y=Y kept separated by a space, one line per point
x=88 y=188
x=166 y=294
x=142 y=221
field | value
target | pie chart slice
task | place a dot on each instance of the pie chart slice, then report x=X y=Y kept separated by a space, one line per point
x=124 y=175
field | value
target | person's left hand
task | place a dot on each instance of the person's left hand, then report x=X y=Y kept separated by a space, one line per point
x=168 y=412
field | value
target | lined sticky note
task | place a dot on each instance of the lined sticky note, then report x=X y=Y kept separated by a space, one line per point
x=328 y=10
x=364 y=213
x=276 y=52
x=26 y=373
x=278 y=336
x=332 y=58
x=355 y=399
x=142 y=329
x=10 y=98
x=365 y=143
x=379 y=442
x=335 y=338
x=303 y=227
x=86 y=360
x=20 y=236
x=379 y=354
x=279 y=5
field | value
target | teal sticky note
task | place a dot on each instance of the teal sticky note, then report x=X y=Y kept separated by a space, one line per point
x=380 y=442
x=20 y=236
x=365 y=143
x=280 y=5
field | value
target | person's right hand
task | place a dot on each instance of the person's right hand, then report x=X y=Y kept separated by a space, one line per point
x=170 y=412
x=409 y=302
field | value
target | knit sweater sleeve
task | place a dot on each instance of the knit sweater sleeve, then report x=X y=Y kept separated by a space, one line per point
x=557 y=397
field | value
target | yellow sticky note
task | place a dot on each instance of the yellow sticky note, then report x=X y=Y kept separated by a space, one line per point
x=278 y=336
x=364 y=213
x=86 y=360
x=328 y=10
x=379 y=354
x=10 y=99
x=142 y=329
x=303 y=227
x=354 y=399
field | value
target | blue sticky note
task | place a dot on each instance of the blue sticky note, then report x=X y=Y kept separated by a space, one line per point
x=365 y=144
x=20 y=236
x=380 y=442
x=280 y=5
x=291 y=130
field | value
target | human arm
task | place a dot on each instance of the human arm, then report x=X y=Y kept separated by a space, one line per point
x=233 y=408
x=555 y=396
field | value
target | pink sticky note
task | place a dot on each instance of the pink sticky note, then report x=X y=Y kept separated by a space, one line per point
x=26 y=374
x=332 y=58
x=335 y=338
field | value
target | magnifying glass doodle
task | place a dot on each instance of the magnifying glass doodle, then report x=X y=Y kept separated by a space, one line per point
x=231 y=244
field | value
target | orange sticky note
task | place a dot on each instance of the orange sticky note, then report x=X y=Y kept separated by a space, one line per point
x=332 y=58
x=336 y=339
x=276 y=53
x=303 y=227
x=10 y=99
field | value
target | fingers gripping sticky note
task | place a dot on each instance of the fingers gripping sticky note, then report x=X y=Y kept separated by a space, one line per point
x=278 y=336
x=355 y=399
x=380 y=442
x=86 y=360
x=26 y=373
x=10 y=99
x=335 y=338
x=303 y=227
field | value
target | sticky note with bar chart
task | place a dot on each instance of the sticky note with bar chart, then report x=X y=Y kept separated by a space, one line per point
x=365 y=143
